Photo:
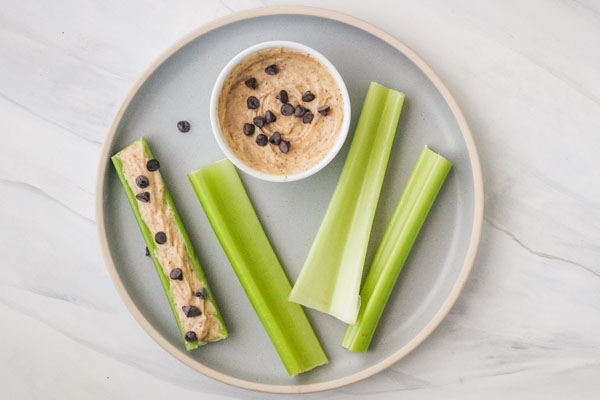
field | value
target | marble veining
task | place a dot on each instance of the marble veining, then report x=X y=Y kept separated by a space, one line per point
x=527 y=76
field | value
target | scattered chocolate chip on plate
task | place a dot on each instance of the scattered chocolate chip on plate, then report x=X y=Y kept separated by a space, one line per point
x=183 y=126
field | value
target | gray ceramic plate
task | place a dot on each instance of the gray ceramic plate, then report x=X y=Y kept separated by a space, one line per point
x=178 y=85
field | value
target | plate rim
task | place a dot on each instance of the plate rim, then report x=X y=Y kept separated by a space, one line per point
x=477 y=205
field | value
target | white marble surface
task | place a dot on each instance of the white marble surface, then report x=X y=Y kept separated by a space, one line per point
x=527 y=75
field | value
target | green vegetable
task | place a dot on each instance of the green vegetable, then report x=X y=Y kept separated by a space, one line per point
x=237 y=227
x=422 y=187
x=330 y=278
x=164 y=279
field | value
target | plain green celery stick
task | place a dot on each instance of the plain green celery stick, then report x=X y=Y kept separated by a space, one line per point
x=425 y=181
x=151 y=244
x=237 y=227
x=330 y=278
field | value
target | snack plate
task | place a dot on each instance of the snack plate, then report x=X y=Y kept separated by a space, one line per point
x=177 y=86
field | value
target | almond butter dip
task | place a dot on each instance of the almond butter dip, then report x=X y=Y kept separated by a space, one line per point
x=297 y=73
x=159 y=217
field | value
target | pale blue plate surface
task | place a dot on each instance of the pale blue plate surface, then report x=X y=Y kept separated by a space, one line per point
x=291 y=212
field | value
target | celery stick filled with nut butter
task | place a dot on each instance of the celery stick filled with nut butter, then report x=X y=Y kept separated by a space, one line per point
x=182 y=278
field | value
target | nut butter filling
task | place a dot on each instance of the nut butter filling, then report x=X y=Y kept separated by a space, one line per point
x=171 y=254
x=251 y=94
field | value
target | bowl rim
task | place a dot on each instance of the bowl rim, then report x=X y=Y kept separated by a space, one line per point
x=478 y=202
x=216 y=126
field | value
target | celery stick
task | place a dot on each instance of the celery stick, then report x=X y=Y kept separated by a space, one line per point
x=422 y=187
x=151 y=244
x=237 y=227
x=330 y=278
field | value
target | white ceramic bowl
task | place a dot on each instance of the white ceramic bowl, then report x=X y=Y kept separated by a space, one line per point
x=216 y=127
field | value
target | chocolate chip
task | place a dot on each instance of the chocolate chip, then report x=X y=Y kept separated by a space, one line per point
x=152 y=165
x=261 y=140
x=308 y=117
x=147 y=251
x=270 y=117
x=272 y=69
x=259 y=121
x=308 y=96
x=160 y=238
x=191 y=311
x=190 y=336
x=275 y=138
x=201 y=293
x=323 y=110
x=248 y=129
x=284 y=146
x=300 y=111
x=144 y=197
x=252 y=103
x=142 y=181
x=176 y=274
x=283 y=96
x=287 y=109
x=183 y=126
x=250 y=83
